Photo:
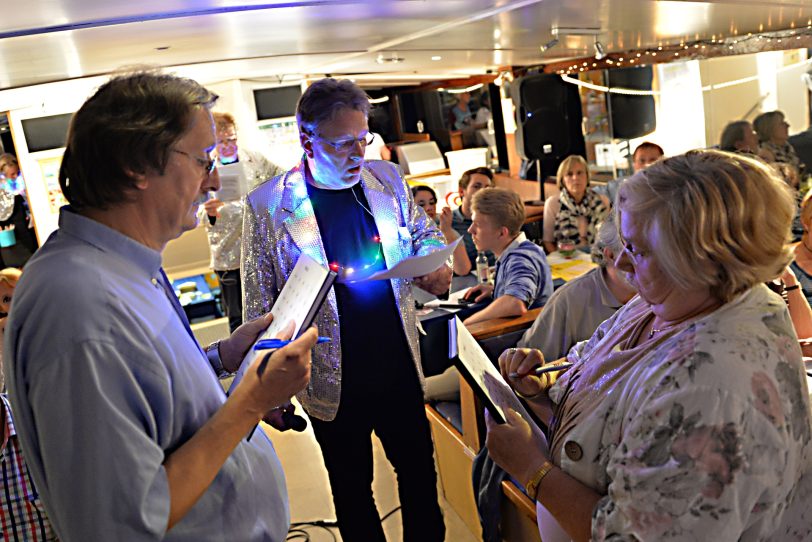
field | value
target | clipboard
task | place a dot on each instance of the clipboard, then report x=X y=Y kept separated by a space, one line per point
x=481 y=374
x=300 y=300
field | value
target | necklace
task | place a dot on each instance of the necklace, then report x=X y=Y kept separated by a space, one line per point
x=691 y=317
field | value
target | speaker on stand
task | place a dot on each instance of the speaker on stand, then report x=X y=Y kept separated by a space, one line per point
x=548 y=122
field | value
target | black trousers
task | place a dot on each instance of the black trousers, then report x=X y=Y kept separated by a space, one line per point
x=231 y=295
x=399 y=420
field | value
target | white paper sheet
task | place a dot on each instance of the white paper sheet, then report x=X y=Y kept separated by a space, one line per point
x=294 y=302
x=233 y=185
x=486 y=374
x=417 y=266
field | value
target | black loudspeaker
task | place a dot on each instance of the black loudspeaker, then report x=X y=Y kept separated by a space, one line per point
x=632 y=116
x=548 y=117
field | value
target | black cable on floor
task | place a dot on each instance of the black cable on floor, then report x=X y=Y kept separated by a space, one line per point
x=298 y=530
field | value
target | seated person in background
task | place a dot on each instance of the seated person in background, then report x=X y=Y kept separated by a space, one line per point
x=470 y=183
x=426 y=198
x=522 y=279
x=20 y=504
x=643 y=156
x=577 y=308
x=686 y=415
x=773 y=135
x=571 y=217
x=801 y=266
x=377 y=150
x=739 y=136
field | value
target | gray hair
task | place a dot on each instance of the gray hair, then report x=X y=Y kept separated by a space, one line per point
x=608 y=236
x=326 y=97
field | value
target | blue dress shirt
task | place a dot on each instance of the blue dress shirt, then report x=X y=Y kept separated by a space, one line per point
x=105 y=381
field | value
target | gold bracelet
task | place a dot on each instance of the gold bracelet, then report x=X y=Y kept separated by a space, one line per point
x=532 y=486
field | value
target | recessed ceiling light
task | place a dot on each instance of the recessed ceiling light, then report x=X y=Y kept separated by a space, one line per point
x=436 y=57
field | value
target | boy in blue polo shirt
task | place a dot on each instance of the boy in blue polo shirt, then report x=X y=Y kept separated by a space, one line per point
x=522 y=279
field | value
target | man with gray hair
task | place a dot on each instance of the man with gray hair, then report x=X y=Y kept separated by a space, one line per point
x=577 y=308
x=357 y=217
x=123 y=422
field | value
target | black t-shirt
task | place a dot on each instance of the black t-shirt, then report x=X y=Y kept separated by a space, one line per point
x=375 y=352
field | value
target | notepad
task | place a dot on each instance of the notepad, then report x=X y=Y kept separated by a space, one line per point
x=299 y=301
x=481 y=373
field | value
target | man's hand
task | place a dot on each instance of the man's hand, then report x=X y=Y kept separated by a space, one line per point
x=480 y=292
x=278 y=375
x=233 y=349
x=212 y=207
x=437 y=282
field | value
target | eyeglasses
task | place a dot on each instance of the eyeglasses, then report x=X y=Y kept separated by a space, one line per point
x=346 y=145
x=207 y=164
x=629 y=249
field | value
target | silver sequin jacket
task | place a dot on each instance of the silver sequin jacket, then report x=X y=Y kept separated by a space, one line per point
x=280 y=224
x=224 y=234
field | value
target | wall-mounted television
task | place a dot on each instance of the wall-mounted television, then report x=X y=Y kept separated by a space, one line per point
x=277 y=102
x=45 y=133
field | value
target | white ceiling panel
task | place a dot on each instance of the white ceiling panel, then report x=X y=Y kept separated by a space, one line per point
x=49 y=40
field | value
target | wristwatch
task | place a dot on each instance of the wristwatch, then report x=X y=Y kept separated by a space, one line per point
x=532 y=486
x=213 y=354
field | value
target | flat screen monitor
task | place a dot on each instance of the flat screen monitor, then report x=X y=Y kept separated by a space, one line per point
x=278 y=102
x=45 y=133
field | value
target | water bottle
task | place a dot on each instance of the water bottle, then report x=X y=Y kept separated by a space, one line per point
x=420 y=127
x=482 y=270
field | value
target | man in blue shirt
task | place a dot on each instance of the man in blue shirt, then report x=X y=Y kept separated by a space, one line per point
x=522 y=279
x=126 y=430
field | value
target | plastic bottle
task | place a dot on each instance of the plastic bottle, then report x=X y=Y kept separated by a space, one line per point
x=482 y=270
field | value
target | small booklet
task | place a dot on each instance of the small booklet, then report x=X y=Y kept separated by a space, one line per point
x=299 y=301
x=481 y=374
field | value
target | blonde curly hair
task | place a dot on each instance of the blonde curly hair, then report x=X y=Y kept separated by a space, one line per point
x=715 y=219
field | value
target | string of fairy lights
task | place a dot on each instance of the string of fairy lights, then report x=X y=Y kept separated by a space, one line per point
x=702 y=48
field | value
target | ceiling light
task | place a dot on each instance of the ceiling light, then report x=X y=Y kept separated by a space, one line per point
x=436 y=57
x=392 y=58
x=549 y=45
x=600 y=50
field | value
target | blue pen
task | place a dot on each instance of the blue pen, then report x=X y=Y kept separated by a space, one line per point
x=267 y=344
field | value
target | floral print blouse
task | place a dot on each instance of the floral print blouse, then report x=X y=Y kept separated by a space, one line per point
x=705 y=436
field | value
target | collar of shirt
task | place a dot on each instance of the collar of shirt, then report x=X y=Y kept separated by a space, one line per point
x=521 y=238
x=109 y=240
x=607 y=298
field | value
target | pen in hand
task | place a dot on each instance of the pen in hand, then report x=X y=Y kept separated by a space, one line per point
x=268 y=344
x=538 y=371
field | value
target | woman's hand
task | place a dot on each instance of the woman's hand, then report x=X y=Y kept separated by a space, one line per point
x=517 y=446
x=521 y=362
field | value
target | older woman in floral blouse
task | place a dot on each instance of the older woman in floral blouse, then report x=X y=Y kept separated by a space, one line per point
x=686 y=415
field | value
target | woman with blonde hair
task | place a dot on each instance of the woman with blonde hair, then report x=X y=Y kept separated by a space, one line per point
x=773 y=135
x=571 y=217
x=686 y=415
